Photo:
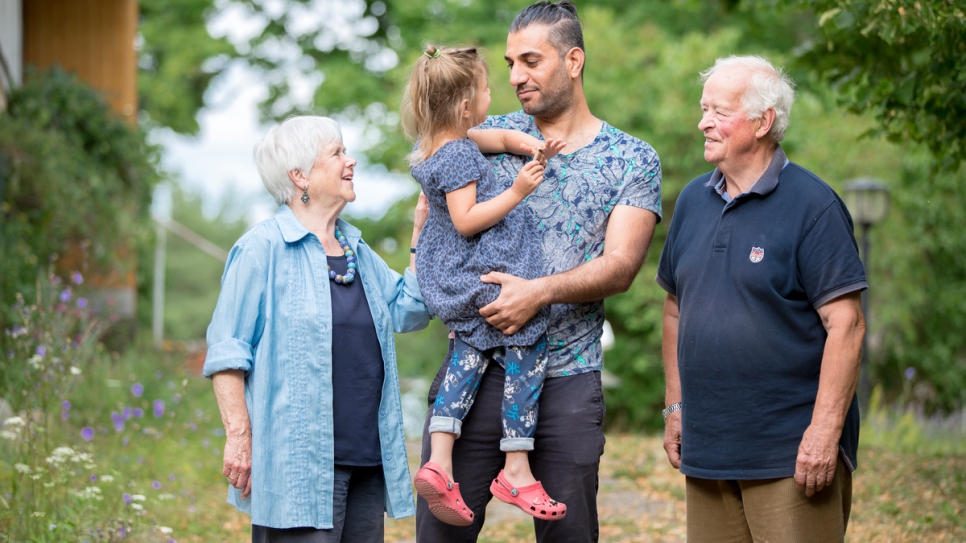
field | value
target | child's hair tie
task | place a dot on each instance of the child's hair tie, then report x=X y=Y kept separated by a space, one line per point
x=434 y=55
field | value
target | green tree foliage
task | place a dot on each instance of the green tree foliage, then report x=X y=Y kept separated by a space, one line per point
x=903 y=60
x=71 y=172
x=177 y=60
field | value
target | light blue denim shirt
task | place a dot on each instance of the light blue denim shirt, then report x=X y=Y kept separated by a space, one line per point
x=274 y=321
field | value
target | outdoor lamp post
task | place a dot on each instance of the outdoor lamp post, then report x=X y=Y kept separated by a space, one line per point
x=868 y=202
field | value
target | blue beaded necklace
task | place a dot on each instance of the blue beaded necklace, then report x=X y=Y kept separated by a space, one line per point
x=350 y=257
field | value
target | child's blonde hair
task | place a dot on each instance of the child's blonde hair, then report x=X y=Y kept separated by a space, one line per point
x=441 y=79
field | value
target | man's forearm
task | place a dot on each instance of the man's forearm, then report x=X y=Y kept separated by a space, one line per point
x=628 y=237
x=840 y=361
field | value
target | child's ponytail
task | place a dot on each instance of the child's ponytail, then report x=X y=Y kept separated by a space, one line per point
x=441 y=79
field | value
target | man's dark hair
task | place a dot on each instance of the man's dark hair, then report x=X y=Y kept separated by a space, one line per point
x=560 y=17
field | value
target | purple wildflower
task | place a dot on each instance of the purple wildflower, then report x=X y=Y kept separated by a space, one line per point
x=127 y=413
x=64 y=414
x=127 y=500
x=82 y=303
x=910 y=373
x=171 y=477
x=137 y=389
x=41 y=351
x=158 y=408
x=65 y=404
x=65 y=295
x=94 y=478
x=138 y=412
x=77 y=278
x=118 y=421
x=122 y=531
x=156 y=485
x=87 y=433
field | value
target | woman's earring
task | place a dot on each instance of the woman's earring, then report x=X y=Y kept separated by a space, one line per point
x=305 y=195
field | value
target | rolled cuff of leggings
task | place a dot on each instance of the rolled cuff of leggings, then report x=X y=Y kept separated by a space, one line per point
x=448 y=425
x=511 y=444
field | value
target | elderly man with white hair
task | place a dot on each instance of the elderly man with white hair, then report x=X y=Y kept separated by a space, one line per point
x=763 y=327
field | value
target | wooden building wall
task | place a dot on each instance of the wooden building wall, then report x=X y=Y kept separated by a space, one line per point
x=94 y=38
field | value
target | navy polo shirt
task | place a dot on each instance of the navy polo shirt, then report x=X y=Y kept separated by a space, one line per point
x=748 y=275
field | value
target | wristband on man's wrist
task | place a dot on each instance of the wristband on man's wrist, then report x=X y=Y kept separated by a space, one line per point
x=412 y=250
x=671 y=409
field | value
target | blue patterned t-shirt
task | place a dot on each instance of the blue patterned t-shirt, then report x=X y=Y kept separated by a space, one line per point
x=571 y=208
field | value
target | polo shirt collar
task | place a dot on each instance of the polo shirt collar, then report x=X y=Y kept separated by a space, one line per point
x=293 y=231
x=765 y=184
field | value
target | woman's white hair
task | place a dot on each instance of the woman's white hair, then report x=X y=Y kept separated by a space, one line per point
x=769 y=87
x=292 y=145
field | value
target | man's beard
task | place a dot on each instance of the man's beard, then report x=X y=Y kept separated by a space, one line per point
x=555 y=97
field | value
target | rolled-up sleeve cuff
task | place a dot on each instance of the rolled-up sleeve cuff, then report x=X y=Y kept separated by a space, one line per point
x=411 y=286
x=231 y=354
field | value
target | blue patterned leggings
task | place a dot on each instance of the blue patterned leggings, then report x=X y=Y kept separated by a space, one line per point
x=525 y=369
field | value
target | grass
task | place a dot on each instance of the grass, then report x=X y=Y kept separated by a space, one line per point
x=907 y=488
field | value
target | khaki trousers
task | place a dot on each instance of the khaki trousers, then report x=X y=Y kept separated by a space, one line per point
x=768 y=511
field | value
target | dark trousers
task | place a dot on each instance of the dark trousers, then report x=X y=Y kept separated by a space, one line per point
x=358 y=511
x=566 y=457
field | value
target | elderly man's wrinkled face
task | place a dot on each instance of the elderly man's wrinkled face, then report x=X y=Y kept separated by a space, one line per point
x=538 y=72
x=729 y=135
x=331 y=175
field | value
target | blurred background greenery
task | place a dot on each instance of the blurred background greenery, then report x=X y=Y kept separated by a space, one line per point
x=881 y=94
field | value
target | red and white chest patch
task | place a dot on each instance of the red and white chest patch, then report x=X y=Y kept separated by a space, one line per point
x=757 y=254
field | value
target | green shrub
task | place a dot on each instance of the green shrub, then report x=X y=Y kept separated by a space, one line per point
x=71 y=172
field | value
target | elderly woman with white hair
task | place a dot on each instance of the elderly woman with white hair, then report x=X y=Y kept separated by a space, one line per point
x=302 y=358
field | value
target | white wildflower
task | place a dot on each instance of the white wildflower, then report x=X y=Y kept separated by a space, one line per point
x=114 y=383
x=89 y=493
x=14 y=421
x=107 y=478
x=49 y=485
x=22 y=468
x=166 y=496
x=137 y=507
x=74 y=370
x=60 y=455
x=164 y=529
x=138 y=497
x=38 y=514
x=8 y=435
x=36 y=362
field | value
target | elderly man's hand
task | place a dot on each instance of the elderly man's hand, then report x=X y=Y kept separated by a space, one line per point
x=672 y=439
x=238 y=462
x=517 y=303
x=817 y=457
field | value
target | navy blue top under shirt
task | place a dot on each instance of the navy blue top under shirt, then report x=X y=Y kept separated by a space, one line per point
x=357 y=373
x=748 y=275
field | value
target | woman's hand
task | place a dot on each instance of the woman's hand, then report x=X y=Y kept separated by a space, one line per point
x=229 y=388
x=420 y=215
x=238 y=462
